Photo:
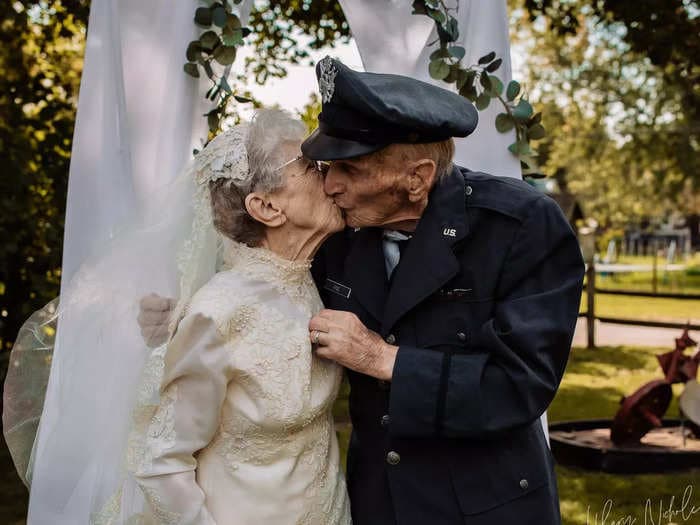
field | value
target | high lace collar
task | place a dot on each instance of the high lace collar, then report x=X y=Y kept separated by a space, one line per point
x=263 y=264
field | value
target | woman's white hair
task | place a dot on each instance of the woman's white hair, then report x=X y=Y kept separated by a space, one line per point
x=268 y=131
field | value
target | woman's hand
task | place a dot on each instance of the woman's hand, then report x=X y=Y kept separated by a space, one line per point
x=153 y=319
x=341 y=337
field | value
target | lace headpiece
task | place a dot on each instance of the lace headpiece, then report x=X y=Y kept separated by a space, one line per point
x=225 y=157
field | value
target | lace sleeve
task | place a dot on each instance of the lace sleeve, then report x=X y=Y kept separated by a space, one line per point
x=196 y=372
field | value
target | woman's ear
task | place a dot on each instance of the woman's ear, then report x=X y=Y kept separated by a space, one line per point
x=264 y=210
x=421 y=179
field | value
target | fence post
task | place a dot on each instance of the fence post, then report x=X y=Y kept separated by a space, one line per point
x=590 y=306
x=654 y=270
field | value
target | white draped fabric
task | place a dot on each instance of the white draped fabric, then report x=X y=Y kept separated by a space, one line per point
x=139 y=118
x=392 y=40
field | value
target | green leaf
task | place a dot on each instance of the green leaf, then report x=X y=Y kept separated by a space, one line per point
x=522 y=111
x=219 y=16
x=536 y=132
x=496 y=89
x=485 y=81
x=469 y=92
x=493 y=66
x=453 y=29
x=419 y=8
x=536 y=119
x=209 y=40
x=504 y=123
x=483 y=101
x=202 y=16
x=513 y=90
x=232 y=37
x=236 y=2
x=487 y=58
x=232 y=21
x=465 y=78
x=213 y=121
x=225 y=55
x=441 y=52
x=191 y=69
x=214 y=93
x=520 y=147
x=194 y=49
x=457 y=52
x=245 y=31
x=242 y=99
x=453 y=75
x=438 y=69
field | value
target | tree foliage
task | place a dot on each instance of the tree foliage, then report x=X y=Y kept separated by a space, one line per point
x=627 y=138
x=40 y=66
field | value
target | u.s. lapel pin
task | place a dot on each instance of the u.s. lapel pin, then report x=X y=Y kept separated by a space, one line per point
x=449 y=232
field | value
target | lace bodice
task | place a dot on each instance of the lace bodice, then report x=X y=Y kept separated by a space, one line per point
x=243 y=432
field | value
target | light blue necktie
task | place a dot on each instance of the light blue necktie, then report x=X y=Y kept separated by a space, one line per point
x=392 y=253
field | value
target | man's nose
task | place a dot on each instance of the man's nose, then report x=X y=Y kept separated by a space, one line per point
x=333 y=182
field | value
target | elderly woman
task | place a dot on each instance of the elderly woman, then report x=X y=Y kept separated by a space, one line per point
x=243 y=432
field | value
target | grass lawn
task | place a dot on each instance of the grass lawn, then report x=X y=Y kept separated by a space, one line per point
x=593 y=384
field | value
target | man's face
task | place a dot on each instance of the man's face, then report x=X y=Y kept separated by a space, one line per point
x=370 y=191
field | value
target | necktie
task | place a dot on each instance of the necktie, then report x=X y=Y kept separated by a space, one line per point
x=393 y=243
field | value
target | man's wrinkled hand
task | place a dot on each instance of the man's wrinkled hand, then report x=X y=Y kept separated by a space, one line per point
x=341 y=337
x=154 y=317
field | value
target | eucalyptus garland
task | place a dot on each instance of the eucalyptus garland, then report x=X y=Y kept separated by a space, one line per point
x=479 y=84
x=223 y=34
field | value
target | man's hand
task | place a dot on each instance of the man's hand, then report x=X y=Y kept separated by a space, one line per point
x=153 y=319
x=341 y=337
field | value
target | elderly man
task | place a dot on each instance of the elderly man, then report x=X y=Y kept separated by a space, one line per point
x=452 y=300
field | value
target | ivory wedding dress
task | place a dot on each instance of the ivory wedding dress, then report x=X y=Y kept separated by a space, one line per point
x=244 y=432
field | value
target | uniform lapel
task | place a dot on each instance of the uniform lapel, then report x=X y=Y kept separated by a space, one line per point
x=365 y=271
x=428 y=262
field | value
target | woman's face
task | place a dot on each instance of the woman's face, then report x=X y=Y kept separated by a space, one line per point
x=302 y=198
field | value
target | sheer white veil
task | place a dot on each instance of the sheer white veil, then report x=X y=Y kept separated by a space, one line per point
x=104 y=380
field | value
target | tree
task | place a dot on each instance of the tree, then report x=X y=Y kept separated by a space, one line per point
x=623 y=133
x=40 y=66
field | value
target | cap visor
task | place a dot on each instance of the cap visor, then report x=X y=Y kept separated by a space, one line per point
x=320 y=146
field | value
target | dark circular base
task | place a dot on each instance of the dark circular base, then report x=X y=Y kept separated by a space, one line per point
x=586 y=444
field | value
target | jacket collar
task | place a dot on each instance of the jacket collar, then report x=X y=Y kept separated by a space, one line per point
x=429 y=262
x=426 y=265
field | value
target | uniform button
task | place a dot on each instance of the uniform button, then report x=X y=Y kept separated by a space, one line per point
x=468 y=190
x=393 y=458
x=461 y=336
x=391 y=339
x=385 y=420
x=383 y=385
x=523 y=484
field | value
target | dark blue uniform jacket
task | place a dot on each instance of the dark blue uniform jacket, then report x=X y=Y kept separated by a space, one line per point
x=483 y=307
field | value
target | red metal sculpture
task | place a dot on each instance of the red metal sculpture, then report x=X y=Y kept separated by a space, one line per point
x=644 y=409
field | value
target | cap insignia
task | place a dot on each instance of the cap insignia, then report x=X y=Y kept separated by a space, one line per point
x=326 y=80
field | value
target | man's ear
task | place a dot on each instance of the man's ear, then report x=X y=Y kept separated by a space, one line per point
x=264 y=210
x=421 y=179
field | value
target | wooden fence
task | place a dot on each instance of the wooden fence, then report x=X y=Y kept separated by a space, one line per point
x=589 y=314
